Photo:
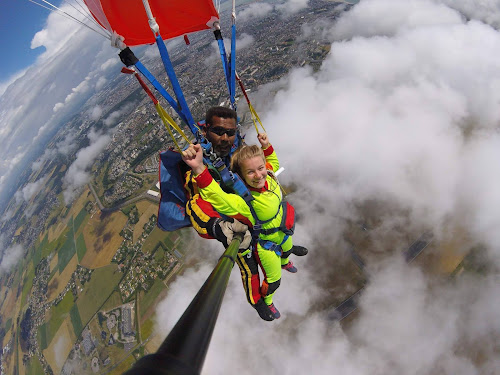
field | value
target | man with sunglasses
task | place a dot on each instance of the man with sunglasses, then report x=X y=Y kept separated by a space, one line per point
x=220 y=130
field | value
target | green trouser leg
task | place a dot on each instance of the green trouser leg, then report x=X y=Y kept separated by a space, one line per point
x=271 y=265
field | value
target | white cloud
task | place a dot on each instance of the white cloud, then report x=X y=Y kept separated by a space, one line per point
x=96 y=113
x=9 y=81
x=78 y=172
x=113 y=118
x=110 y=63
x=387 y=17
x=67 y=145
x=10 y=257
x=64 y=147
x=292 y=6
x=82 y=88
x=101 y=81
x=28 y=191
x=487 y=11
x=254 y=11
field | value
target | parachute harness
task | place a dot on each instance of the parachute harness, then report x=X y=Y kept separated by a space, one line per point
x=242 y=190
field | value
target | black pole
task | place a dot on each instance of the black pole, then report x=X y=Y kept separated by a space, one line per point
x=183 y=351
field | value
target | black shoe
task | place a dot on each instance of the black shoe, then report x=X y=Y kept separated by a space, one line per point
x=300 y=251
x=263 y=310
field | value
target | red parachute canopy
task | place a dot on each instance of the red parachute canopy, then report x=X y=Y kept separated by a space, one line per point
x=128 y=18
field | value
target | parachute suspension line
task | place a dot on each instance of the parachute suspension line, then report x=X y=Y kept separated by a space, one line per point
x=83 y=11
x=61 y=12
x=253 y=112
x=167 y=120
x=151 y=20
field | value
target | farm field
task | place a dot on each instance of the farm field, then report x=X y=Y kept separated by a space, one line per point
x=102 y=283
x=146 y=209
x=102 y=238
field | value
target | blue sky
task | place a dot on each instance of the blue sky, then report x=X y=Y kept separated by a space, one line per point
x=19 y=21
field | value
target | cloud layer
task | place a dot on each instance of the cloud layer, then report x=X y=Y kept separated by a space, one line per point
x=11 y=256
x=403 y=111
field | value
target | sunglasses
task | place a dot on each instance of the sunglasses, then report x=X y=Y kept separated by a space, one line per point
x=221 y=131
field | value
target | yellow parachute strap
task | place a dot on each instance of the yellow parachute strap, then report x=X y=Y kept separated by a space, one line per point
x=255 y=117
x=275 y=178
x=169 y=123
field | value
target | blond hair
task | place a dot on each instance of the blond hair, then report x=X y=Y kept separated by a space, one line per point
x=243 y=153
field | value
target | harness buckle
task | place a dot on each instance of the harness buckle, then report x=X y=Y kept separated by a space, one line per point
x=271 y=246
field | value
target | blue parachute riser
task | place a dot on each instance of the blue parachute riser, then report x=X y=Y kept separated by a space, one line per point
x=157 y=85
x=223 y=57
x=169 y=69
x=128 y=58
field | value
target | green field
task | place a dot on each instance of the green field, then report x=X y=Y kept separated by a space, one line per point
x=42 y=336
x=159 y=251
x=76 y=321
x=169 y=243
x=66 y=252
x=58 y=313
x=79 y=219
x=114 y=300
x=34 y=367
x=81 y=248
x=27 y=283
x=147 y=328
x=146 y=129
x=19 y=272
x=48 y=247
x=126 y=210
x=150 y=297
x=8 y=324
x=123 y=366
x=43 y=248
x=37 y=255
x=102 y=283
x=156 y=236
